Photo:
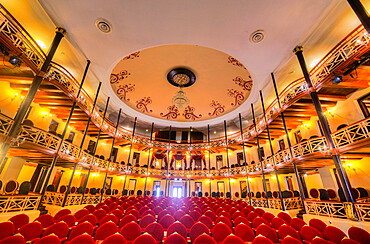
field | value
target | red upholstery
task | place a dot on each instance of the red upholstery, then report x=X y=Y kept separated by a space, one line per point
x=82 y=238
x=118 y=213
x=7 y=229
x=175 y=239
x=80 y=229
x=17 y=239
x=81 y=213
x=237 y=214
x=332 y=233
x=134 y=212
x=308 y=233
x=358 y=234
x=172 y=210
x=206 y=220
x=204 y=239
x=69 y=219
x=50 y=239
x=297 y=223
x=112 y=206
x=61 y=213
x=90 y=208
x=251 y=216
x=146 y=220
x=163 y=213
x=262 y=240
x=157 y=210
x=244 y=231
x=178 y=214
x=187 y=220
x=166 y=221
x=286 y=230
x=210 y=214
x=349 y=241
x=46 y=220
x=89 y=218
x=318 y=240
x=149 y=212
x=286 y=217
x=240 y=220
x=145 y=239
x=232 y=210
x=267 y=232
x=233 y=239
x=105 y=230
x=268 y=216
x=290 y=240
x=198 y=229
x=220 y=231
x=107 y=218
x=224 y=213
x=60 y=229
x=155 y=230
x=179 y=228
x=317 y=224
x=131 y=231
x=258 y=221
x=99 y=214
x=127 y=219
x=259 y=211
x=31 y=231
x=276 y=223
x=115 y=238
x=19 y=220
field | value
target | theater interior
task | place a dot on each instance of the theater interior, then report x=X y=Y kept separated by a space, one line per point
x=185 y=121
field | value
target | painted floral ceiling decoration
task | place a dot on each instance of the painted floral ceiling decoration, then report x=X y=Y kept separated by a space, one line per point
x=222 y=83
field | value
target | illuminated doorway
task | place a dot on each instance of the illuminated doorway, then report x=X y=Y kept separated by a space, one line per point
x=177 y=191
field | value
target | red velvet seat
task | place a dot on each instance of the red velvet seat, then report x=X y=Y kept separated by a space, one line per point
x=262 y=240
x=267 y=232
x=233 y=239
x=175 y=239
x=90 y=208
x=80 y=229
x=146 y=220
x=178 y=214
x=50 y=239
x=318 y=240
x=7 y=229
x=334 y=234
x=197 y=229
x=118 y=213
x=244 y=231
x=89 y=218
x=127 y=219
x=317 y=224
x=204 y=239
x=60 y=229
x=177 y=227
x=19 y=220
x=237 y=214
x=358 y=234
x=220 y=231
x=163 y=213
x=206 y=220
x=31 y=231
x=251 y=216
x=114 y=239
x=268 y=216
x=107 y=218
x=83 y=238
x=290 y=240
x=131 y=231
x=105 y=230
x=171 y=209
x=349 y=241
x=276 y=223
x=286 y=217
x=157 y=210
x=99 y=214
x=145 y=239
x=258 y=221
x=286 y=230
x=297 y=223
x=17 y=239
x=69 y=219
x=149 y=212
x=81 y=213
x=224 y=213
x=46 y=220
x=134 y=212
x=232 y=210
x=156 y=231
x=195 y=215
x=308 y=233
x=166 y=221
x=61 y=213
x=259 y=211
x=210 y=214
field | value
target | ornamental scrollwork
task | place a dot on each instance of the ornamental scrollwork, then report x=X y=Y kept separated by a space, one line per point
x=172 y=114
x=245 y=84
x=235 y=62
x=143 y=103
x=123 y=90
x=237 y=95
x=115 y=78
x=132 y=55
x=218 y=108
x=189 y=113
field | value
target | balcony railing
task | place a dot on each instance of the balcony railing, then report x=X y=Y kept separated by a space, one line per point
x=290 y=203
x=56 y=198
x=15 y=203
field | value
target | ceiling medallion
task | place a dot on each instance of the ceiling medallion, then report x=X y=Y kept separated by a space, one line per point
x=180 y=77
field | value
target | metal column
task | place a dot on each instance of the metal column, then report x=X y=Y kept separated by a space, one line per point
x=150 y=149
x=129 y=154
x=227 y=158
x=245 y=158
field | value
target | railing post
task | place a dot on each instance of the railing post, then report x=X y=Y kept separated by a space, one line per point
x=150 y=148
x=227 y=157
x=168 y=163
x=22 y=110
x=129 y=153
x=209 y=163
x=289 y=142
x=272 y=152
x=75 y=165
x=325 y=126
x=260 y=156
x=361 y=13
x=245 y=158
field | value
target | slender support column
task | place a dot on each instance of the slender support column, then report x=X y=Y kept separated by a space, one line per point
x=289 y=142
x=272 y=152
x=209 y=163
x=22 y=110
x=227 y=158
x=84 y=138
x=129 y=154
x=168 y=164
x=190 y=159
x=85 y=185
x=75 y=166
x=111 y=154
x=325 y=127
x=245 y=158
x=260 y=156
x=56 y=155
x=361 y=13
x=150 y=149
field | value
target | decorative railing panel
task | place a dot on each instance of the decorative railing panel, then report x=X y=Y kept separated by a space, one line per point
x=5 y=124
x=259 y=202
x=15 y=203
x=363 y=211
x=40 y=137
x=326 y=208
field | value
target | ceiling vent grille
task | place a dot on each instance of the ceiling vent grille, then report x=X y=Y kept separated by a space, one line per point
x=257 y=36
x=103 y=25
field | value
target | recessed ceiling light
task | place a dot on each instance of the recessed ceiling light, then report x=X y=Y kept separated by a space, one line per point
x=314 y=62
x=103 y=25
x=257 y=36
x=41 y=44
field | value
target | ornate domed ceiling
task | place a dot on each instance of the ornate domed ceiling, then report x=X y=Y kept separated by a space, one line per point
x=214 y=83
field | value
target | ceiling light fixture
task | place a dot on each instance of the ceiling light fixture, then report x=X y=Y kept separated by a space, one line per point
x=103 y=25
x=257 y=36
x=181 y=77
x=41 y=44
x=314 y=62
